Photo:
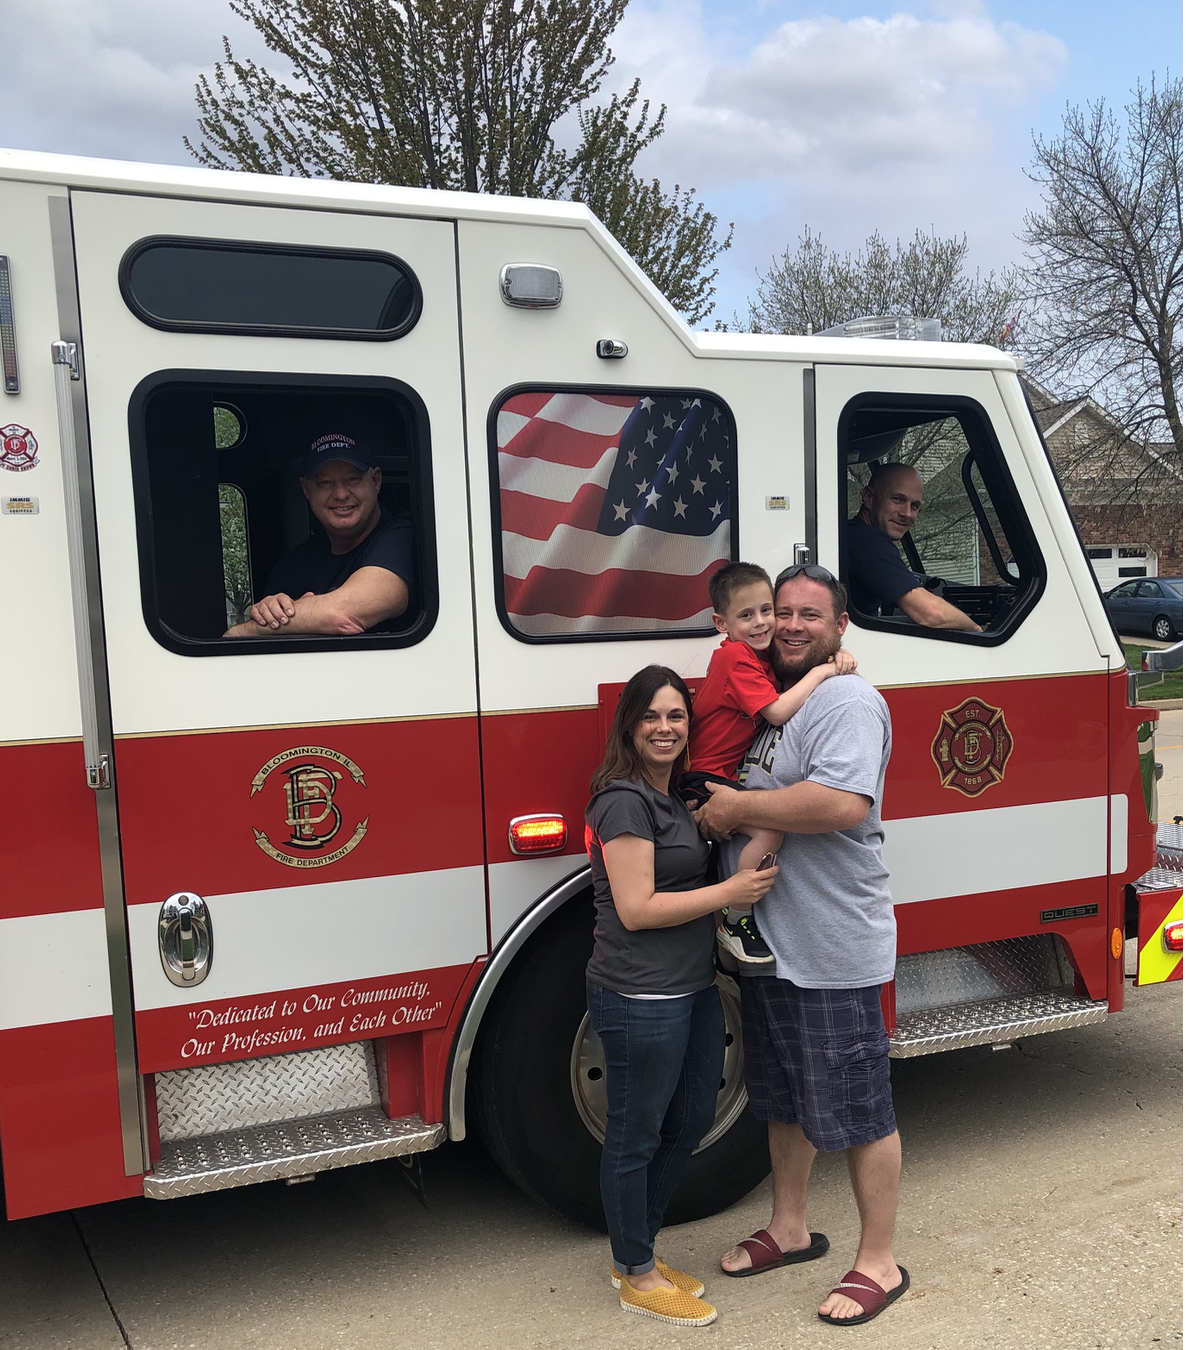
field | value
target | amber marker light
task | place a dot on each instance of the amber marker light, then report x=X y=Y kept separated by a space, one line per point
x=537 y=834
x=1117 y=943
x=1171 y=936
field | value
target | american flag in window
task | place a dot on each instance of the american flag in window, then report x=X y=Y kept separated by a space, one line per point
x=615 y=511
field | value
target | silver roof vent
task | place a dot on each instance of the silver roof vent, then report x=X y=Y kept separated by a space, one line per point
x=904 y=327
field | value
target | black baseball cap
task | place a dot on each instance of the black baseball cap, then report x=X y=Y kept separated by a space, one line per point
x=333 y=446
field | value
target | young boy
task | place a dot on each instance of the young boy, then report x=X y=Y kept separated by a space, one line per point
x=739 y=688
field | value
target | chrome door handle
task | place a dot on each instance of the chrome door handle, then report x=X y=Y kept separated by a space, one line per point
x=185 y=936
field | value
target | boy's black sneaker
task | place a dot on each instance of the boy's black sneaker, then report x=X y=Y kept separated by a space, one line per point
x=742 y=940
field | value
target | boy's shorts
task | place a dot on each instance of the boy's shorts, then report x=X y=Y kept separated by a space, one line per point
x=690 y=785
x=818 y=1058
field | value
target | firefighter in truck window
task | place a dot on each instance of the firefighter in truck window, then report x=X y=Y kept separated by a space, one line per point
x=931 y=538
x=878 y=580
x=357 y=577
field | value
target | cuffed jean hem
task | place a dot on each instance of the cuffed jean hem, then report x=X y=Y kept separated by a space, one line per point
x=644 y=1269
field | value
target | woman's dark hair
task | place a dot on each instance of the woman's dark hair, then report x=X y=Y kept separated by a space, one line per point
x=621 y=759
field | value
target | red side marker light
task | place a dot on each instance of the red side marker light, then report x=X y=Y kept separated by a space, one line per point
x=538 y=834
x=1171 y=936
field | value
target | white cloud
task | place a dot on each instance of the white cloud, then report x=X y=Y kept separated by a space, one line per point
x=844 y=126
x=834 y=96
x=109 y=77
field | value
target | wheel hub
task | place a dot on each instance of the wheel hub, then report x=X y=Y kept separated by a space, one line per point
x=587 y=1072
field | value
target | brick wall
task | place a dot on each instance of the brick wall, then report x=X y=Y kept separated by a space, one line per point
x=1157 y=528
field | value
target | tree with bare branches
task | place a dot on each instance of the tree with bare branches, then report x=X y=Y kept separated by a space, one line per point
x=816 y=287
x=1106 y=266
x=460 y=94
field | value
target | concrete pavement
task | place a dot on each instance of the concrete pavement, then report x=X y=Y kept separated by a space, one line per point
x=1041 y=1205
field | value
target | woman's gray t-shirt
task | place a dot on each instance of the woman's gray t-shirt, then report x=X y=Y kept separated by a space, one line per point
x=674 y=960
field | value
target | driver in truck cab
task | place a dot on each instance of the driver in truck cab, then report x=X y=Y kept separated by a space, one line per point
x=353 y=579
x=878 y=579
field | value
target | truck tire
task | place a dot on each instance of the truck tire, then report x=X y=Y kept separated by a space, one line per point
x=534 y=1095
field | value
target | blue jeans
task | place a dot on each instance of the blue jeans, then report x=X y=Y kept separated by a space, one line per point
x=663 y=1061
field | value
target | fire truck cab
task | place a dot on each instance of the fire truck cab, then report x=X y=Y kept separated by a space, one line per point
x=280 y=904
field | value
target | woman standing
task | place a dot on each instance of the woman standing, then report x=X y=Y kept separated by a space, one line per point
x=651 y=985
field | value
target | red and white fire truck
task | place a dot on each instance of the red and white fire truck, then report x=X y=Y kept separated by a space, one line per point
x=277 y=905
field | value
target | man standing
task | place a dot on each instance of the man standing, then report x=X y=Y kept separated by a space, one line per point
x=353 y=579
x=878 y=577
x=816 y=1049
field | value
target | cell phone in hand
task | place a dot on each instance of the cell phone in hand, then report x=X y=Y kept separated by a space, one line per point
x=767 y=862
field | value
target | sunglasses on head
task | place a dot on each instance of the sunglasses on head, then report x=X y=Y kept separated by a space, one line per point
x=812 y=570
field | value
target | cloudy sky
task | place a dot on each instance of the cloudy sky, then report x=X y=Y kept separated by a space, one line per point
x=842 y=115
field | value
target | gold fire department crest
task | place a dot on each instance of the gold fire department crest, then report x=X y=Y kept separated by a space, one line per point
x=310 y=778
x=972 y=747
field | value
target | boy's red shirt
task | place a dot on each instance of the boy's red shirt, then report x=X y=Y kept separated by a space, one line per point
x=739 y=684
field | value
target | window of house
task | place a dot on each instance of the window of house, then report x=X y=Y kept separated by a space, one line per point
x=612 y=508
x=970 y=542
x=220 y=510
x=236 y=286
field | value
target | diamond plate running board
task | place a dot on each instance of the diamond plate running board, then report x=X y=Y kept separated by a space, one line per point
x=986 y=1021
x=289 y=1148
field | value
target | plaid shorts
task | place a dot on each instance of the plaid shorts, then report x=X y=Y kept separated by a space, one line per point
x=818 y=1058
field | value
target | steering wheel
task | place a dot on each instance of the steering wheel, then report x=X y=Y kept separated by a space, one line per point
x=936 y=585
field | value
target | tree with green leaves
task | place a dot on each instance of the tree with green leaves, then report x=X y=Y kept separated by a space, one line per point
x=1106 y=262
x=458 y=94
x=815 y=287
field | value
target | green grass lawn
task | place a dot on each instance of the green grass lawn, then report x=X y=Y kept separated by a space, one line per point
x=1169 y=685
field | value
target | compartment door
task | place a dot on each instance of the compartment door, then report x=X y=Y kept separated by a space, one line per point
x=322 y=799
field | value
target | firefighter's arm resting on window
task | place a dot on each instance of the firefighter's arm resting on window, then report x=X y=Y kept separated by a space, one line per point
x=932 y=611
x=368 y=597
x=802 y=808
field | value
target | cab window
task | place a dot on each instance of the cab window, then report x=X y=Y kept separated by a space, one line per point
x=931 y=511
x=221 y=513
x=612 y=508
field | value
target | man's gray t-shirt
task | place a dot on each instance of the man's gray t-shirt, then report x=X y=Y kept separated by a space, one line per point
x=828 y=918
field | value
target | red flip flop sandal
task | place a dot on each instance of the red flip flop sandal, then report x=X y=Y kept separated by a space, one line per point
x=868 y=1293
x=765 y=1254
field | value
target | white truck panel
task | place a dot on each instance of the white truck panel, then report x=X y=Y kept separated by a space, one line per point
x=37 y=666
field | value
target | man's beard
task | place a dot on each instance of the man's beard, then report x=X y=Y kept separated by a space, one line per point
x=790 y=670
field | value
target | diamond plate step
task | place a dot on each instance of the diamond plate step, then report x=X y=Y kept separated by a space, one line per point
x=290 y=1148
x=985 y=1021
x=1166 y=872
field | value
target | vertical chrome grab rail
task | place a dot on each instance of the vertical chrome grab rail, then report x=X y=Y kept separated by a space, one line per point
x=65 y=359
x=87 y=603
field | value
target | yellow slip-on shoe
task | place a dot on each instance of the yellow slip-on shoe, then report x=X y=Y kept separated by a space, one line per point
x=689 y=1284
x=668 y=1305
